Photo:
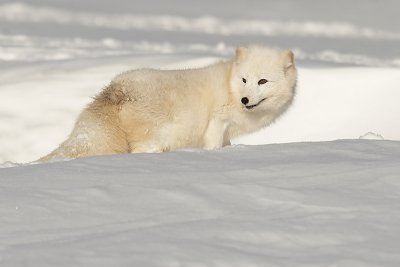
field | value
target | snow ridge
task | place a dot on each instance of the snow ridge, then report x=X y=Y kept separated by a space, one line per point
x=302 y=204
x=22 y=48
x=21 y=12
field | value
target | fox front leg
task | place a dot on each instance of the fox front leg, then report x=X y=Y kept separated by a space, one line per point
x=215 y=133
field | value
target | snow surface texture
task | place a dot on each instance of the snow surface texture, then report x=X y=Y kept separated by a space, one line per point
x=303 y=204
x=56 y=55
x=299 y=204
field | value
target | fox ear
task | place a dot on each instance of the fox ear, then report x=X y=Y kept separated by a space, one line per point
x=241 y=53
x=288 y=59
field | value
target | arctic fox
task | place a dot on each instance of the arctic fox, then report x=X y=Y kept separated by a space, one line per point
x=148 y=110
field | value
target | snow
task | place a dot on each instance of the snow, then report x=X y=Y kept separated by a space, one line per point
x=20 y=12
x=372 y=136
x=291 y=194
x=302 y=204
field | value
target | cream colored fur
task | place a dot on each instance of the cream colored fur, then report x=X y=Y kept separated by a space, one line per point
x=149 y=110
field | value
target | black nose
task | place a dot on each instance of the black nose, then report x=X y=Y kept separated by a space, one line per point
x=245 y=100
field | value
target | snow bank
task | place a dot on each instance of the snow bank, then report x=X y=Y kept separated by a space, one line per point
x=302 y=204
x=21 y=12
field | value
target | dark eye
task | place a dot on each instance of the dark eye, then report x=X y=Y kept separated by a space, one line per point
x=262 y=81
x=244 y=80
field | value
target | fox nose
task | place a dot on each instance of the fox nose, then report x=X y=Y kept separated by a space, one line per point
x=245 y=100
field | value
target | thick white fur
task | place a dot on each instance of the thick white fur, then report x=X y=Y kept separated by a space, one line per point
x=149 y=110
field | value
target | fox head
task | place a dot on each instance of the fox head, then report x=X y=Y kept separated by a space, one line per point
x=263 y=79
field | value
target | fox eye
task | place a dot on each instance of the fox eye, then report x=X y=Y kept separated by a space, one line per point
x=244 y=80
x=262 y=81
